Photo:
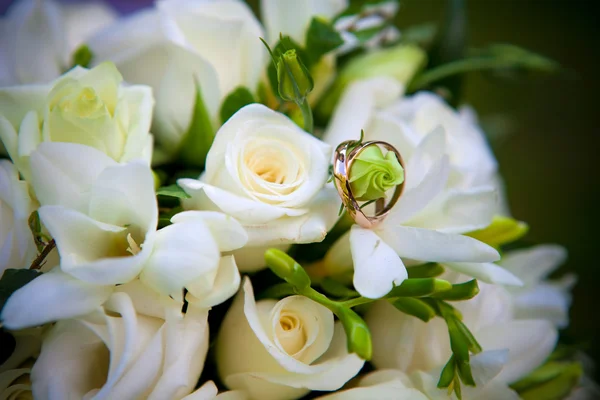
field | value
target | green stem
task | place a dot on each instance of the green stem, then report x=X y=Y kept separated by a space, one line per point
x=307 y=116
x=357 y=302
x=454 y=68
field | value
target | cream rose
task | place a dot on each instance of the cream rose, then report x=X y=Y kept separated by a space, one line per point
x=138 y=345
x=17 y=249
x=181 y=42
x=88 y=107
x=282 y=349
x=267 y=173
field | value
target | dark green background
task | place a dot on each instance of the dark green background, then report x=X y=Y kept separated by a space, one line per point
x=551 y=159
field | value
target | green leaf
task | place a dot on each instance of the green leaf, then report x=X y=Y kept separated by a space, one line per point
x=419 y=287
x=321 y=38
x=429 y=270
x=199 y=136
x=14 y=279
x=172 y=191
x=460 y=291
x=82 y=56
x=238 y=98
x=415 y=307
x=556 y=388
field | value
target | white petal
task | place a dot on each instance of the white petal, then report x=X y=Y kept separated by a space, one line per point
x=377 y=268
x=251 y=259
x=227 y=232
x=50 y=297
x=8 y=136
x=486 y=272
x=529 y=343
x=90 y=250
x=63 y=173
x=83 y=19
x=245 y=210
x=544 y=301
x=123 y=195
x=147 y=301
x=17 y=101
x=183 y=253
x=535 y=263
x=356 y=108
x=429 y=245
x=308 y=228
x=487 y=365
x=292 y=19
x=225 y=285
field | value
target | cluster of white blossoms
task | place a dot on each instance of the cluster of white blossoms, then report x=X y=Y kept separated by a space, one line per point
x=122 y=271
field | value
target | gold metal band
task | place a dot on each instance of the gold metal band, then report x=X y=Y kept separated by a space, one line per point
x=345 y=154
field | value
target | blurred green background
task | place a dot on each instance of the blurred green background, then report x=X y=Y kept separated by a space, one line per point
x=550 y=158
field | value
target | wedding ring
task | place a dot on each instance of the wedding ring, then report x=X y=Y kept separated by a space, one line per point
x=345 y=154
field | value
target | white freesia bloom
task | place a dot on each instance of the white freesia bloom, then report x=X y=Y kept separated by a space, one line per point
x=390 y=384
x=282 y=349
x=267 y=173
x=14 y=372
x=103 y=217
x=404 y=342
x=428 y=221
x=181 y=42
x=38 y=37
x=138 y=345
x=292 y=17
x=89 y=107
x=17 y=248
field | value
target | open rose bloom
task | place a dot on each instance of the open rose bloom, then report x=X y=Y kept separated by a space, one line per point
x=188 y=213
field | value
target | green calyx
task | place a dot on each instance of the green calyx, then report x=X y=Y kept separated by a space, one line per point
x=372 y=174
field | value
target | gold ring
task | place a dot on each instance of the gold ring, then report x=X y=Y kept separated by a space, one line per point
x=345 y=154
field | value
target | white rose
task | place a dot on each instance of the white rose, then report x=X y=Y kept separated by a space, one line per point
x=38 y=37
x=404 y=342
x=89 y=107
x=282 y=349
x=138 y=345
x=179 y=42
x=269 y=174
x=209 y=391
x=428 y=221
x=17 y=248
x=103 y=218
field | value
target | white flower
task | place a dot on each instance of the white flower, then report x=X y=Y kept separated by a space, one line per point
x=282 y=349
x=397 y=385
x=179 y=42
x=266 y=172
x=38 y=37
x=292 y=17
x=17 y=248
x=89 y=107
x=428 y=221
x=103 y=218
x=404 y=342
x=14 y=371
x=138 y=345
x=209 y=391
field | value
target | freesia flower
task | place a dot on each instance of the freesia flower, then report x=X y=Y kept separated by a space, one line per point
x=397 y=385
x=14 y=371
x=404 y=342
x=428 y=221
x=89 y=107
x=177 y=44
x=38 y=37
x=282 y=349
x=267 y=173
x=17 y=248
x=138 y=345
x=103 y=218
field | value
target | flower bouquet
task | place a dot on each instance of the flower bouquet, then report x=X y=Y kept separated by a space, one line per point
x=196 y=204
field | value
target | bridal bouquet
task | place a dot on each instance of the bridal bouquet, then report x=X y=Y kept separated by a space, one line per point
x=198 y=204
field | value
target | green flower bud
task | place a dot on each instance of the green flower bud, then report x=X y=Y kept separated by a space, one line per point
x=357 y=333
x=419 y=287
x=287 y=268
x=295 y=82
x=372 y=174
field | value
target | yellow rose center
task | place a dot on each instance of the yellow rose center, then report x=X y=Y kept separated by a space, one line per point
x=290 y=333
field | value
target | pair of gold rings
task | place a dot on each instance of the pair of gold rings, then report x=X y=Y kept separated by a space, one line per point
x=344 y=156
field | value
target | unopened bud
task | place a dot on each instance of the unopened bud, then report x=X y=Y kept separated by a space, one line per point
x=295 y=82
